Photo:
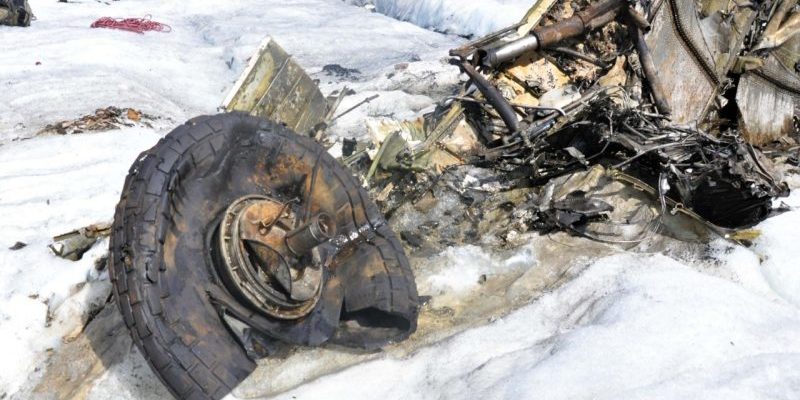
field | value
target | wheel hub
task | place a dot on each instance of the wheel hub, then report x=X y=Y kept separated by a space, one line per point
x=270 y=258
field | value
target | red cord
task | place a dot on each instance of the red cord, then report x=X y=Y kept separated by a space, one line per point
x=138 y=25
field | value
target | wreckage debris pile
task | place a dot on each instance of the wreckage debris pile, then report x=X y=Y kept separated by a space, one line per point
x=103 y=119
x=579 y=84
x=15 y=13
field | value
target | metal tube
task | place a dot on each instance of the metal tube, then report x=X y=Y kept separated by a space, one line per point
x=593 y=17
x=496 y=56
x=316 y=231
x=650 y=72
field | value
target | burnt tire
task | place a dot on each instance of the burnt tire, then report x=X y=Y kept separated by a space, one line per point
x=163 y=270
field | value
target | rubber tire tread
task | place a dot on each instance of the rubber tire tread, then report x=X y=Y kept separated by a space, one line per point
x=188 y=363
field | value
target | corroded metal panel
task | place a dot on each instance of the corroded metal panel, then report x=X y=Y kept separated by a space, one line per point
x=765 y=111
x=275 y=87
x=689 y=89
x=768 y=97
x=693 y=53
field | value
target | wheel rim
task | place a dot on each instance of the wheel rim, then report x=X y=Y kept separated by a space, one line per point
x=270 y=259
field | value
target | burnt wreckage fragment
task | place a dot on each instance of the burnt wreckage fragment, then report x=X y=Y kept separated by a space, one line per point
x=661 y=122
x=15 y=13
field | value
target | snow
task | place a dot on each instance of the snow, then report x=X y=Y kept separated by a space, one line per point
x=466 y=18
x=718 y=322
x=631 y=326
x=461 y=269
x=188 y=71
x=50 y=186
x=405 y=91
x=706 y=324
x=777 y=248
x=116 y=382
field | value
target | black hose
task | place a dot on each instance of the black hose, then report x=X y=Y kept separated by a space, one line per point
x=494 y=97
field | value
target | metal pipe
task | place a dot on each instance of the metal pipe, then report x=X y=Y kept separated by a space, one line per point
x=593 y=17
x=361 y=103
x=496 y=56
x=494 y=97
x=650 y=72
x=467 y=49
x=316 y=231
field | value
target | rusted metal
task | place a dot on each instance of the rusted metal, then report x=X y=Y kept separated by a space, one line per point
x=73 y=245
x=266 y=263
x=318 y=230
x=551 y=35
x=592 y=17
x=274 y=86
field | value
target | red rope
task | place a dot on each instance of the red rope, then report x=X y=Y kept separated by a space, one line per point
x=138 y=25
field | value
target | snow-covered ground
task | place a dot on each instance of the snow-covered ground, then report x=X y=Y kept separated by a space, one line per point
x=629 y=327
x=715 y=321
x=187 y=72
x=466 y=18
x=50 y=186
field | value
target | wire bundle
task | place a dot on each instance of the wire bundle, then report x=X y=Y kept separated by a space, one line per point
x=138 y=25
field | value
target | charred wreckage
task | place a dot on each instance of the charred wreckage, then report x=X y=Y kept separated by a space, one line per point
x=240 y=230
